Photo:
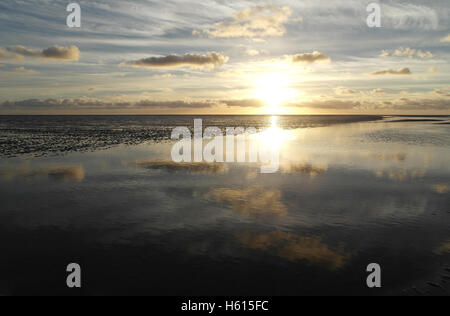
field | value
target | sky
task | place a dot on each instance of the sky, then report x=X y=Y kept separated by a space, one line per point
x=225 y=57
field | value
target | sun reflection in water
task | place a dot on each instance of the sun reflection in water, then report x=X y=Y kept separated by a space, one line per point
x=274 y=137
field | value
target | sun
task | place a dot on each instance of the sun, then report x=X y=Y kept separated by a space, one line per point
x=274 y=90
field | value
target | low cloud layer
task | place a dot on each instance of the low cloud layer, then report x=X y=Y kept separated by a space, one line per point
x=362 y=105
x=252 y=103
x=439 y=102
x=310 y=58
x=256 y=22
x=55 y=53
x=401 y=72
x=210 y=60
x=96 y=104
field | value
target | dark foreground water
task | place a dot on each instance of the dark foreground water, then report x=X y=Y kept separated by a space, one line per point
x=103 y=192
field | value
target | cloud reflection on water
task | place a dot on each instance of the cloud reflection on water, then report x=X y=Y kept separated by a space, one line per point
x=441 y=188
x=254 y=201
x=443 y=249
x=398 y=175
x=28 y=173
x=191 y=168
x=294 y=248
x=305 y=168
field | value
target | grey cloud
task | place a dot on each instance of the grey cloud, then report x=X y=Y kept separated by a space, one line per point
x=254 y=103
x=55 y=53
x=310 y=58
x=401 y=72
x=175 y=104
x=438 y=103
x=210 y=60
x=95 y=104
x=329 y=104
x=41 y=104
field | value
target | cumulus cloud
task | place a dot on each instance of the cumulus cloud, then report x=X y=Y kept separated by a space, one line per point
x=433 y=70
x=253 y=52
x=378 y=91
x=6 y=55
x=401 y=72
x=446 y=39
x=442 y=93
x=210 y=60
x=55 y=53
x=407 y=52
x=256 y=22
x=345 y=91
x=25 y=71
x=310 y=58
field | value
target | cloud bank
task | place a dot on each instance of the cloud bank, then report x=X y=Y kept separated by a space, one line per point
x=439 y=102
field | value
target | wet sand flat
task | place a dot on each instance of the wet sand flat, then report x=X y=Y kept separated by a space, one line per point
x=348 y=192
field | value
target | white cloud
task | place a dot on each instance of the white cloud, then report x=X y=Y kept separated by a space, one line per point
x=256 y=22
x=407 y=52
x=25 y=71
x=253 y=52
x=345 y=91
x=446 y=39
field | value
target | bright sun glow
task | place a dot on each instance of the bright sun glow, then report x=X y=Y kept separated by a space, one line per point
x=274 y=90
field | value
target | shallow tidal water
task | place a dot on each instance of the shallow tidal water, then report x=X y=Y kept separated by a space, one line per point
x=349 y=192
